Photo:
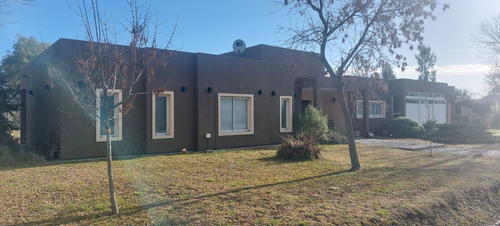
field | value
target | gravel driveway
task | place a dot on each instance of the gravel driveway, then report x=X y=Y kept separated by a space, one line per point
x=416 y=145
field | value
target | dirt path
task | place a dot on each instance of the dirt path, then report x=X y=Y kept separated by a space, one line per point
x=416 y=145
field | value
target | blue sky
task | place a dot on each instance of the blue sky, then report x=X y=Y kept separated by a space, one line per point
x=212 y=26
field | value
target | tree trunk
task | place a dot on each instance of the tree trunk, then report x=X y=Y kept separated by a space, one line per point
x=353 y=153
x=337 y=77
x=112 y=195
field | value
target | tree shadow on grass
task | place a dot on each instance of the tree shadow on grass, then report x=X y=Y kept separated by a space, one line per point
x=94 y=217
x=278 y=160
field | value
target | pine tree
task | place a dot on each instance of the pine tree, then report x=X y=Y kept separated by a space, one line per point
x=387 y=72
x=426 y=60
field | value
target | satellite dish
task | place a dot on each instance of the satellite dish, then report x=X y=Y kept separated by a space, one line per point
x=239 y=46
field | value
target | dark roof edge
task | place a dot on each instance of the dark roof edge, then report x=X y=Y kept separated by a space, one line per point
x=409 y=79
x=271 y=46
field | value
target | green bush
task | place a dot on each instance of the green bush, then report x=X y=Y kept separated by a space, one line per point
x=335 y=137
x=14 y=156
x=494 y=116
x=312 y=124
x=430 y=127
x=312 y=128
x=405 y=128
x=495 y=120
x=6 y=129
x=462 y=133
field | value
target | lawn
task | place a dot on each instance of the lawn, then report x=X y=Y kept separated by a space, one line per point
x=252 y=187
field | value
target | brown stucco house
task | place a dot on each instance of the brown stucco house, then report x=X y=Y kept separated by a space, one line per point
x=212 y=102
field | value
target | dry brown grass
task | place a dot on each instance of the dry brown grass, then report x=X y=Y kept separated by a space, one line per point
x=494 y=146
x=253 y=187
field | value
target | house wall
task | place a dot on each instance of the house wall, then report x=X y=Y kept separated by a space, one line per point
x=375 y=124
x=305 y=64
x=399 y=87
x=392 y=92
x=195 y=110
x=78 y=131
x=53 y=110
x=286 y=72
x=333 y=110
x=376 y=90
x=42 y=115
x=241 y=76
x=180 y=71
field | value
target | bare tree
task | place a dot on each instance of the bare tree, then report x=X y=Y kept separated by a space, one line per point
x=8 y=7
x=358 y=35
x=109 y=69
x=492 y=79
x=488 y=37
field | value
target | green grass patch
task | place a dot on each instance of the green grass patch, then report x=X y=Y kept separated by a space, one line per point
x=101 y=207
x=383 y=212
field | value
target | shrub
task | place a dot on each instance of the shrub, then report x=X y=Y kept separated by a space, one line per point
x=405 y=128
x=6 y=129
x=297 y=147
x=312 y=124
x=430 y=126
x=494 y=116
x=312 y=128
x=335 y=137
x=445 y=131
x=462 y=133
x=12 y=156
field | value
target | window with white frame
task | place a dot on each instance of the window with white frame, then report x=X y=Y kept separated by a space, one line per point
x=163 y=115
x=235 y=114
x=376 y=109
x=286 y=114
x=103 y=106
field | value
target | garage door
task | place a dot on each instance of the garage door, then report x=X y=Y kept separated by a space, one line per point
x=424 y=106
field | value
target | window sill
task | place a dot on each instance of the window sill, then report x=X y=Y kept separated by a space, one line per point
x=162 y=136
x=360 y=117
x=239 y=133
x=103 y=139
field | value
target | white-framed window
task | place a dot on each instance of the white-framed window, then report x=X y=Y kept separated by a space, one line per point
x=163 y=115
x=286 y=114
x=115 y=120
x=376 y=109
x=235 y=114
